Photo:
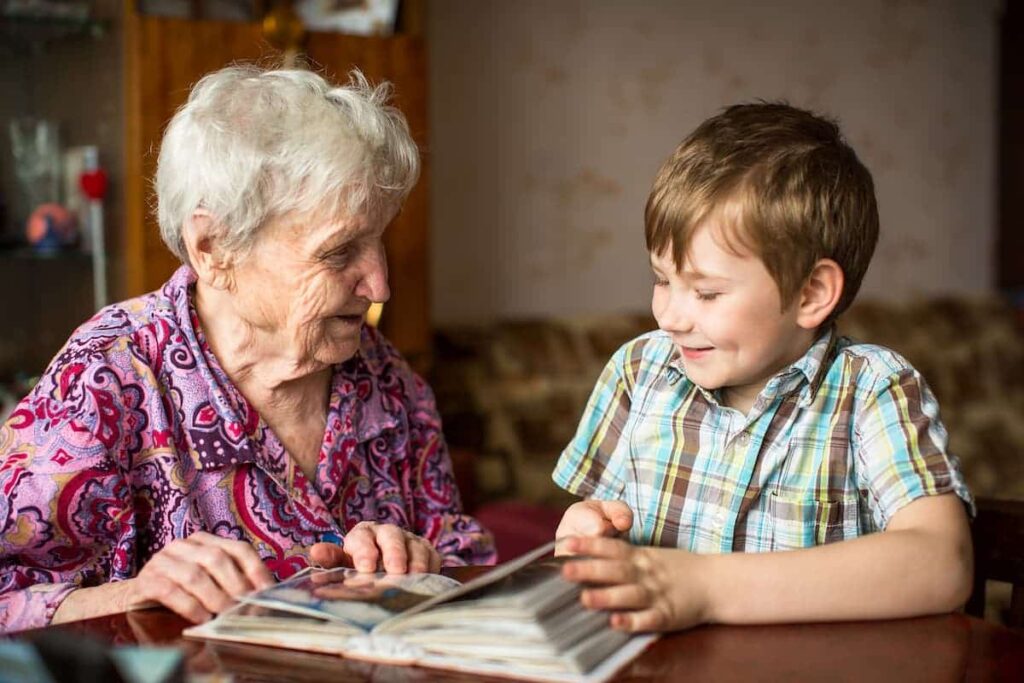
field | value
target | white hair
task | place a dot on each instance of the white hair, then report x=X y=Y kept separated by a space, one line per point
x=252 y=144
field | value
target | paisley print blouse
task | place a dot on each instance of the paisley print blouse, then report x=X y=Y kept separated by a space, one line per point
x=135 y=437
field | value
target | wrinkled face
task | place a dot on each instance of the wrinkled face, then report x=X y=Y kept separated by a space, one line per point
x=724 y=313
x=307 y=283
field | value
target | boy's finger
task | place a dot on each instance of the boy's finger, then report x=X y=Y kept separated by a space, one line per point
x=622 y=521
x=640 y=621
x=599 y=571
x=619 y=514
x=591 y=522
x=630 y=596
x=563 y=545
x=599 y=546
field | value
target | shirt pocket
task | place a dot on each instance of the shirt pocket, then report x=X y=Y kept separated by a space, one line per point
x=804 y=522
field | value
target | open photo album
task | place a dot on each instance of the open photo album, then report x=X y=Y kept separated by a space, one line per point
x=519 y=620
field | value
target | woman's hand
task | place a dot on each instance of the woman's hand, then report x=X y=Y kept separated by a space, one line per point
x=369 y=546
x=594 y=518
x=199 y=576
x=646 y=589
x=196 y=577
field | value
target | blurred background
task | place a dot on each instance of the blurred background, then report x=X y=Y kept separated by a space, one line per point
x=518 y=265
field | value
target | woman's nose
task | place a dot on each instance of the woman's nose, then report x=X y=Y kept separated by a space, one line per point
x=373 y=284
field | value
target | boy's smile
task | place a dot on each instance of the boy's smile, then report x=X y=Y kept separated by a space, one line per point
x=695 y=353
x=725 y=315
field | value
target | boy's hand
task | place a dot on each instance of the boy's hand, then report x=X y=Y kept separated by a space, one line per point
x=595 y=518
x=647 y=589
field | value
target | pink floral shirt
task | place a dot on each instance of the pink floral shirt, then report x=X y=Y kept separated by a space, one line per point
x=134 y=437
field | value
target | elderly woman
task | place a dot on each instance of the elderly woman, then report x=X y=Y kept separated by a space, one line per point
x=195 y=443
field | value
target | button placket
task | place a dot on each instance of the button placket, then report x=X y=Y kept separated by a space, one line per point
x=736 y=449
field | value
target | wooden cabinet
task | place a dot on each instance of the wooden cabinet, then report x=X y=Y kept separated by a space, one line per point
x=164 y=57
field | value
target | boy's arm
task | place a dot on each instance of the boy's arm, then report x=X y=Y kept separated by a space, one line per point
x=921 y=564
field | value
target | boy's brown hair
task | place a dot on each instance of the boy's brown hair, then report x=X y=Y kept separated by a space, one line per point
x=800 y=192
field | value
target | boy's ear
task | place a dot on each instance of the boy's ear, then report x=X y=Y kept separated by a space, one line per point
x=820 y=294
x=212 y=264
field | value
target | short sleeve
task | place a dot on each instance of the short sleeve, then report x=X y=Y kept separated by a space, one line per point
x=901 y=448
x=588 y=466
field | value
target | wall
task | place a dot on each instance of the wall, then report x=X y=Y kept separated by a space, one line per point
x=549 y=120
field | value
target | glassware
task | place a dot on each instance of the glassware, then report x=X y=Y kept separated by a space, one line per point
x=35 y=147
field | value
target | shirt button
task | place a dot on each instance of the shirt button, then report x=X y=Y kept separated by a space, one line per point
x=743 y=439
x=720 y=518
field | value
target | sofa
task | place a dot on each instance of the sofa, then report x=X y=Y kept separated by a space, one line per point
x=511 y=393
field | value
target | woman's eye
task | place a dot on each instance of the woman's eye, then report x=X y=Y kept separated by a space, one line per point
x=338 y=257
x=707 y=296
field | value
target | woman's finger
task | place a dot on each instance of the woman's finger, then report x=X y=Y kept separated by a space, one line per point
x=246 y=559
x=214 y=563
x=329 y=555
x=182 y=586
x=235 y=564
x=391 y=541
x=162 y=590
x=198 y=582
x=419 y=552
x=435 y=558
x=360 y=544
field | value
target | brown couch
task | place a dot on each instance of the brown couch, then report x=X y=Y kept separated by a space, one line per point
x=511 y=394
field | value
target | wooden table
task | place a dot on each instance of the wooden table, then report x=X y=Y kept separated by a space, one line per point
x=950 y=647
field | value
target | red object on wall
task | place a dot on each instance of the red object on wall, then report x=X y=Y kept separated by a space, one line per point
x=94 y=184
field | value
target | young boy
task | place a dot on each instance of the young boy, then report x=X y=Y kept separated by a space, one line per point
x=746 y=424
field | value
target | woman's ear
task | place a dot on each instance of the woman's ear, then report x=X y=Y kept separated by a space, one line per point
x=820 y=294
x=212 y=264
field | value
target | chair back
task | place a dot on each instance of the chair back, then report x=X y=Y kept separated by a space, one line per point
x=998 y=534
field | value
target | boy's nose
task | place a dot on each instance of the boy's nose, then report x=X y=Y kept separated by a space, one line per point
x=674 y=315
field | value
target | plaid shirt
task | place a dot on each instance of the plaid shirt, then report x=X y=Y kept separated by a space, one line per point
x=833 y=447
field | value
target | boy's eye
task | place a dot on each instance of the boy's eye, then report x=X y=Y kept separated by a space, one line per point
x=707 y=296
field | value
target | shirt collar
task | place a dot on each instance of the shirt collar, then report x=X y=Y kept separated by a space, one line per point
x=216 y=416
x=805 y=373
